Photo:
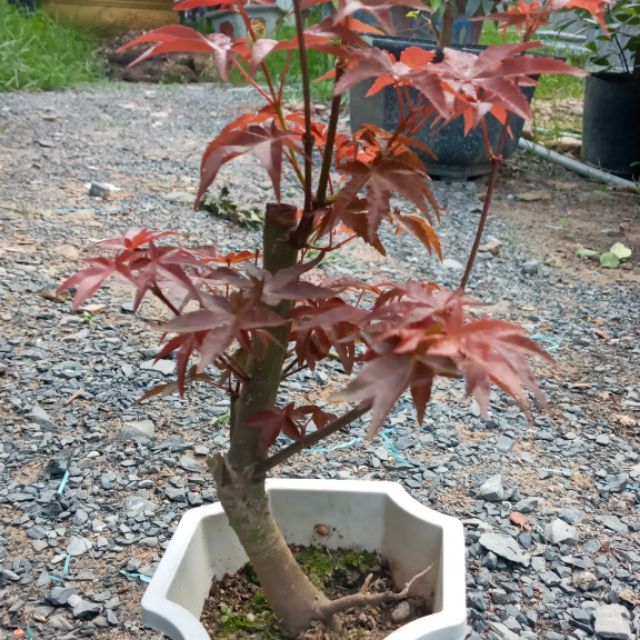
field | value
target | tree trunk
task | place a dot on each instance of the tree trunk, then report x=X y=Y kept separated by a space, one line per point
x=446 y=30
x=293 y=598
x=291 y=595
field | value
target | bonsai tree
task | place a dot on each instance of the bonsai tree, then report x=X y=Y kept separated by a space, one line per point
x=251 y=319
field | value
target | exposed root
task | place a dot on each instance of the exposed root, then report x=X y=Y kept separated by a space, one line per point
x=364 y=598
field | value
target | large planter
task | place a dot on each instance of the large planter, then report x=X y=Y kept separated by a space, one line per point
x=611 y=123
x=372 y=516
x=458 y=157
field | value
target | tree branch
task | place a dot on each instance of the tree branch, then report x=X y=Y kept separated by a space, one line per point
x=363 y=599
x=496 y=161
x=307 y=440
x=307 y=137
x=323 y=180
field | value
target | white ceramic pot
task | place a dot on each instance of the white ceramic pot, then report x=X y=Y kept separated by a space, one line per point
x=371 y=516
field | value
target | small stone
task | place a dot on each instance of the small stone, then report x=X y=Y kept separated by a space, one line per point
x=492 y=246
x=138 y=429
x=201 y=450
x=40 y=614
x=60 y=623
x=36 y=533
x=527 y=505
x=603 y=439
x=531 y=267
x=492 y=489
x=175 y=493
x=59 y=596
x=102 y=190
x=452 y=265
x=499 y=596
x=39 y=415
x=401 y=612
x=138 y=504
x=504 y=547
x=112 y=618
x=612 y=622
x=559 y=532
x=86 y=610
x=55 y=468
x=504 y=444
x=80 y=517
x=571 y=515
x=165 y=367
x=618 y=482
x=614 y=524
x=150 y=541
x=583 y=580
x=189 y=464
x=78 y=546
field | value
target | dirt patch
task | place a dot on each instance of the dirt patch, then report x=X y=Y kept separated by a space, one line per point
x=236 y=607
x=570 y=213
x=183 y=68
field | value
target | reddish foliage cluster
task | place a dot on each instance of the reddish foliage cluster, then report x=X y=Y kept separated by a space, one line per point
x=404 y=334
x=410 y=332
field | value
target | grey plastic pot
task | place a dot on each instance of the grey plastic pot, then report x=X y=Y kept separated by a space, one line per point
x=458 y=156
x=374 y=516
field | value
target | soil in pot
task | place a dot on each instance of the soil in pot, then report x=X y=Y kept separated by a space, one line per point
x=236 y=607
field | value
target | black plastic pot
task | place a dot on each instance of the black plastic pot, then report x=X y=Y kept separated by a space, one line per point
x=458 y=157
x=611 y=123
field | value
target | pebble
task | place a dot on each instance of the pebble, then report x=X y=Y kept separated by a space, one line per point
x=612 y=622
x=59 y=596
x=527 y=505
x=504 y=547
x=531 y=267
x=559 y=532
x=78 y=546
x=138 y=428
x=401 y=612
x=492 y=489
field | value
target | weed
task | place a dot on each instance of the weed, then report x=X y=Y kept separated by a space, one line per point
x=222 y=205
x=37 y=53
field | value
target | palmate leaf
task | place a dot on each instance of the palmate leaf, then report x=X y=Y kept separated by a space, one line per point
x=266 y=142
x=89 y=280
x=312 y=41
x=290 y=420
x=177 y=38
x=416 y=333
x=399 y=172
x=489 y=82
x=381 y=10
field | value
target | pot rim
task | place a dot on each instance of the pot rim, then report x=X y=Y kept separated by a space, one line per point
x=450 y=620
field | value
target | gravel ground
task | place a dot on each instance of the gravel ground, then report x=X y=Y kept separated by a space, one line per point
x=73 y=556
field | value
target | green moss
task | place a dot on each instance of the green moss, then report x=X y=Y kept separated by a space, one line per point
x=254 y=619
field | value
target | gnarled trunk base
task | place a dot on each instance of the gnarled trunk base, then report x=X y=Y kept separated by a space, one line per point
x=291 y=595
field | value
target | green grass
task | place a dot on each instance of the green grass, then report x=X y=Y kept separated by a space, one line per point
x=37 y=53
x=319 y=64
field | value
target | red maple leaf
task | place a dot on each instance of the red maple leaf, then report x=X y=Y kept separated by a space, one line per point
x=178 y=38
x=416 y=333
x=267 y=143
x=290 y=420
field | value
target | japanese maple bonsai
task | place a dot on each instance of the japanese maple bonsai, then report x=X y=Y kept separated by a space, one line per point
x=259 y=318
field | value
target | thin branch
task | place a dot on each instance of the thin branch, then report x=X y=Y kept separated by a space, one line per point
x=364 y=599
x=309 y=439
x=307 y=137
x=496 y=161
x=325 y=171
